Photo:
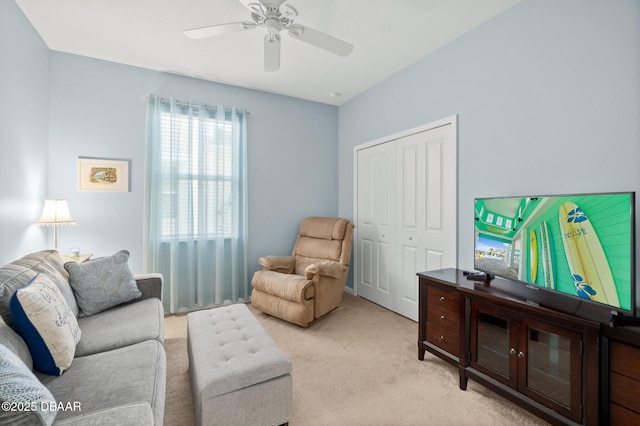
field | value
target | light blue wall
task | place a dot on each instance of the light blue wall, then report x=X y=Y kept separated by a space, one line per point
x=548 y=101
x=24 y=108
x=547 y=96
x=57 y=107
x=97 y=111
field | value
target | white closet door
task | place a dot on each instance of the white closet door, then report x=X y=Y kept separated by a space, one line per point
x=425 y=212
x=405 y=213
x=376 y=215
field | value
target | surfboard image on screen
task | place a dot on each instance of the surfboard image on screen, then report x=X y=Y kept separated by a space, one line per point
x=533 y=256
x=547 y=256
x=587 y=262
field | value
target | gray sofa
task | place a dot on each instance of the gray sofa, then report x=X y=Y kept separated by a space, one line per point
x=118 y=373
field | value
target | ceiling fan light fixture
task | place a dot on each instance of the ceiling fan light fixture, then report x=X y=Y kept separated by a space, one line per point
x=273 y=38
x=272 y=25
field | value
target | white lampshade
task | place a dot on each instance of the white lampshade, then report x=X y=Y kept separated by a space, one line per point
x=55 y=212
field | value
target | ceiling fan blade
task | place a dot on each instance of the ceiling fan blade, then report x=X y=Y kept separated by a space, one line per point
x=321 y=40
x=218 y=30
x=272 y=52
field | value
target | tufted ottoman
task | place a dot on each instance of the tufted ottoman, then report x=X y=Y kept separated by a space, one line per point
x=238 y=373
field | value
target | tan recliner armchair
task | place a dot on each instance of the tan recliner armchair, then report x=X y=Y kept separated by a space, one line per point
x=310 y=283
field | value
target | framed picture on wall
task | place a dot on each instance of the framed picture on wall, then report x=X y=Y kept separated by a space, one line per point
x=98 y=174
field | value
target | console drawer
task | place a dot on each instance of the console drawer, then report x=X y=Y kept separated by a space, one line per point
x=444 y=318
x=624 y=383
x=624 y=359
x=443 y=338
x=625 y=391
x=443 y=299
x=623 y=416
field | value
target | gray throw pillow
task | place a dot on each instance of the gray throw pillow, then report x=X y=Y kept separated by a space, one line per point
x=102 y=283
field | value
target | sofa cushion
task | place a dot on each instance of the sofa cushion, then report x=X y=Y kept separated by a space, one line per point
x=131 y=415
x=15 y=344
x=19 y=273
x=121 y=326
x=53 y=267
x=20 y=388
x=102 y=283
x=121 y=377
x=45 y=322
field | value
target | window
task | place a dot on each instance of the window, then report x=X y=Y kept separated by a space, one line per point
x=197 y=176
x=195 y=203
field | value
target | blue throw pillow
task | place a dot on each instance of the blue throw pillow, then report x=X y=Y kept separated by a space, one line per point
x=45 y=321
x=102 y=283
x=28 y=401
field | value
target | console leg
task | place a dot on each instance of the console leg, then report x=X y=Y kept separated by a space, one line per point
x=463 y=379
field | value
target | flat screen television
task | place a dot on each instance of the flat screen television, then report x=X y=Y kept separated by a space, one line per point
x=576 y=245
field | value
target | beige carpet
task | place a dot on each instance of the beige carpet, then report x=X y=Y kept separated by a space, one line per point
x=357 y=366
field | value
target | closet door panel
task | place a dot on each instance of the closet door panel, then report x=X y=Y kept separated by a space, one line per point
x=410 y=181
x=425 y=163
x=375 y=202
x=440 y=226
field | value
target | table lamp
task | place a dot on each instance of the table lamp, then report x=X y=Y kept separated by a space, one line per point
x=55 y=212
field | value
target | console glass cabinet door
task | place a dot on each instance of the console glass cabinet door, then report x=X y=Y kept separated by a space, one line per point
x=539 y=359
x=495 y=336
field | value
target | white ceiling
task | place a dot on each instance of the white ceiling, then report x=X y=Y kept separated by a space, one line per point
x=387 y=37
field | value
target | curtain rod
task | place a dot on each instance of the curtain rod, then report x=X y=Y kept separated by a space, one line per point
x=181 y=103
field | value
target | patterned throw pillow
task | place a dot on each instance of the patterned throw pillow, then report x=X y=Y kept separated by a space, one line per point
x=25 y=398
x=47 y=324
x=102 y=283
x=20 y=272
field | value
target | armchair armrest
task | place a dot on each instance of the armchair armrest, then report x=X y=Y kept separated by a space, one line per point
x=327 y=268
x=282 y=264
x=151 y=285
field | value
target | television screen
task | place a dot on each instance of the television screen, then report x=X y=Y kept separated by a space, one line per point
x=580 y=245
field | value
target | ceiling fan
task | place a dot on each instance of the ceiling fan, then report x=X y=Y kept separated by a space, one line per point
x=274 y=16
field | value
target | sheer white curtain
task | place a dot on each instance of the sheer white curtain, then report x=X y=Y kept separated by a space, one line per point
x=195 y=203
